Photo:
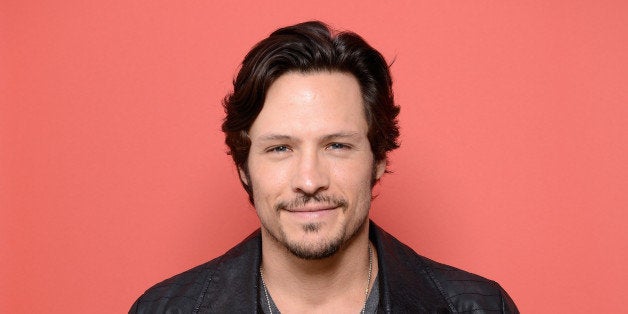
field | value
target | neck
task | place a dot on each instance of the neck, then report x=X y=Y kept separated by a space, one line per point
x=336 y=282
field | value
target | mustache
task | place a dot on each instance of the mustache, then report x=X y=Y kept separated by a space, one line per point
x=300 y=201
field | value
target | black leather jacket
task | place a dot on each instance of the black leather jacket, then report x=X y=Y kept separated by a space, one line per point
x=409 y=283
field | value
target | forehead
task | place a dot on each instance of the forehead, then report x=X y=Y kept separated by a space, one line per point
x=312 y=103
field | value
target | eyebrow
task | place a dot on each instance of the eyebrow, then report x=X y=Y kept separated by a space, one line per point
x=274 y=137
x=333 y=136
x=340 y=135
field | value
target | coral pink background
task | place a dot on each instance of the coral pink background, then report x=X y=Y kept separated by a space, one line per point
x=113 y=174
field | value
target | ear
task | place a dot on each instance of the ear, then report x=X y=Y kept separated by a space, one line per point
x=380 y=169
x=243 y=176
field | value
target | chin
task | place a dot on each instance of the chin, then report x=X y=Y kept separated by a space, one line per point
x=317 y=243
x=314 y=252
x=309 y=241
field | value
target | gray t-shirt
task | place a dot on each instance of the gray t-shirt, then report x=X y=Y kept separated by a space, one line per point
x=371 y=302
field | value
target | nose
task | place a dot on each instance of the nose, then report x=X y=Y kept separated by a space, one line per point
x=311 y=174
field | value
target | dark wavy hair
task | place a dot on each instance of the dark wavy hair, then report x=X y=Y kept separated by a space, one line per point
x=310 y=47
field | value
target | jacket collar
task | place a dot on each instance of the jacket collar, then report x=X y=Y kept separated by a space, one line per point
x=406 y=284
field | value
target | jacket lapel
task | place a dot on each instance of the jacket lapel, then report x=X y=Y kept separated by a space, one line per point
x=405 y=283
x=233 y=286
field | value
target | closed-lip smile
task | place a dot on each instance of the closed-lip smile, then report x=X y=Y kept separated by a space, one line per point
x=314 y=208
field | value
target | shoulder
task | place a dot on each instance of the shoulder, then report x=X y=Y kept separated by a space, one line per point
x=468 y=292
x=180 y=291
x=191 y=290
x=416 y=281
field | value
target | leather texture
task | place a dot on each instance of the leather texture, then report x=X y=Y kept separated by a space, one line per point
x=409 y=283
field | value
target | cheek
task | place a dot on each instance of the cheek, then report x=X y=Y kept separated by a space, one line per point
x=354 y=178
x=268 y=180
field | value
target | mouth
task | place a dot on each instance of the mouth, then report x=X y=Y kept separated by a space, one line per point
x=312 y=209
x=313 y=212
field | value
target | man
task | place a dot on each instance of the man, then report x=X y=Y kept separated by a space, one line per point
x=309 y=124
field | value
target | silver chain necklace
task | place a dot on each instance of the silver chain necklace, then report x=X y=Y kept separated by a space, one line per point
x=366 y=291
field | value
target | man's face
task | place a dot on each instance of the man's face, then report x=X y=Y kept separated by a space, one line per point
x=310 y=165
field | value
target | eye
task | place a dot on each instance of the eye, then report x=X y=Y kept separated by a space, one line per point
x=278 y=149
x=337 y=146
